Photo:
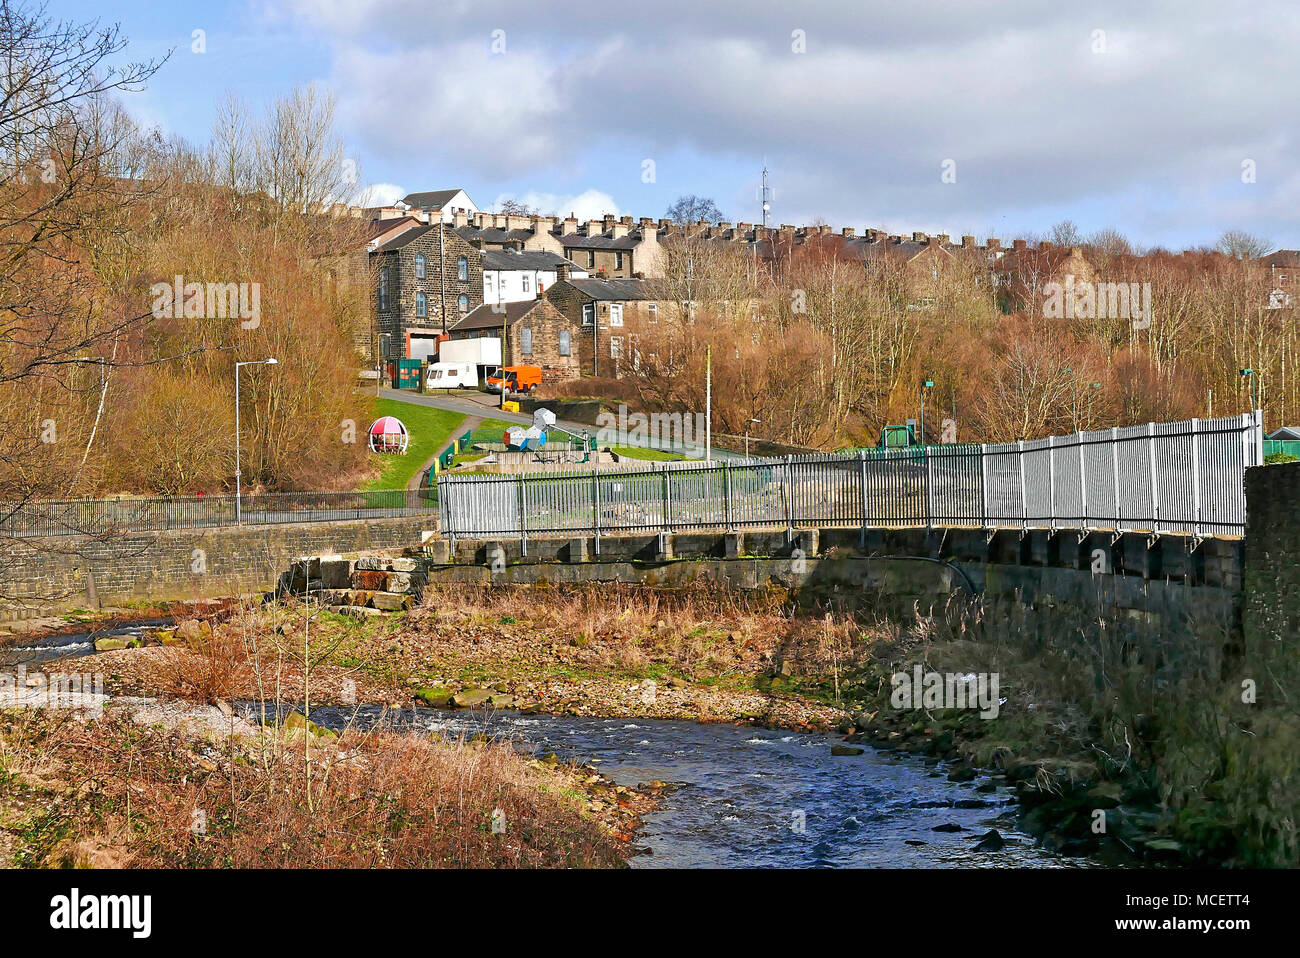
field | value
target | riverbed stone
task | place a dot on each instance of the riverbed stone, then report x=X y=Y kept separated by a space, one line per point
x=846 y=750
x=372 y=580
x=109 y=645
x=336 y=573
x=992 y=841
x=390 y=601
x=469 y=698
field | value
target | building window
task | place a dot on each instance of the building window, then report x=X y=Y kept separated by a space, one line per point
x=588 y=313
x=421 y=305
x=526 y=341
x=462 y=269
x=615 y=347
x=524 y=280
x=591 y=259
x=383 y=289
x=419 y=266
x=488 y=279
x=462 y=303
x=564 y=342
x=652 y=310
x=618 y=260
x=616 y=314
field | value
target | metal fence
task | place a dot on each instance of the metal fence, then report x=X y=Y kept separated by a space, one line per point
x=1169 y=477
x=105 y=516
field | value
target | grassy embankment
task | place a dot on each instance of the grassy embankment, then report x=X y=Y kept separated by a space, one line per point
x=429 y=430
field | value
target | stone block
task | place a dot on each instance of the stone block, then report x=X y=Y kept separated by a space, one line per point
x=398 y=582
x=369 y=579
x=390 y=602
x=336 y=573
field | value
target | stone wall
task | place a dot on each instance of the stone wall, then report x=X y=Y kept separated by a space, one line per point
x=1161 y=583
x=41 y=576
x=1272 y=603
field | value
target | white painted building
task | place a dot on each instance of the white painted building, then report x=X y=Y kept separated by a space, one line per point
x=516 y=276
x=433 y=205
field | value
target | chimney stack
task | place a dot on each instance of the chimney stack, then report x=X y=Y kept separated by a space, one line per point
x=619 y=228
x=595 y=228
x=967 y=242
x=1018 y=244
x=568 y=225
x=847 y=232
x=993 y=243
x=918 y=237
x=562 y=272
x=459 y=218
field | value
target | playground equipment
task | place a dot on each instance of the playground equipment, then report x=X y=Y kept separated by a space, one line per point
x=388 y=435
x=519 y=439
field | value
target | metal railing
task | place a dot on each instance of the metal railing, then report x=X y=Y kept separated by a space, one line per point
x=1169 y=477
x=97 y=517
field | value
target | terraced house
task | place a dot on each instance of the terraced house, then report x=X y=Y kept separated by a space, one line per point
x=606 y=316
x=426 y=280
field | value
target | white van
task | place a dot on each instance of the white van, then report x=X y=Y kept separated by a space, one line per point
x=452 y=376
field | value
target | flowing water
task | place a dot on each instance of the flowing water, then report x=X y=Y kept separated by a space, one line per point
x=744 y=797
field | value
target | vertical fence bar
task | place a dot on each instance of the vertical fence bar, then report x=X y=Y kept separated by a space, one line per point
x=1196 y=480
x=1024 y=506
x=789 y=495
x=726 y=480
x=1051 y=480
x=667 y=500
x=1083 y=480
x=595 y=508
x=521 y=484
x=1114 y=469
x=1155 y=482
x=984 y=488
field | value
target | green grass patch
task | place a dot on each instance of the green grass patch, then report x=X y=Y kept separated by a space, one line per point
x=655 y=455
x=429 y=428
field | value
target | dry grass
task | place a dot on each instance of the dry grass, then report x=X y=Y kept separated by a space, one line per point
x=114 y=792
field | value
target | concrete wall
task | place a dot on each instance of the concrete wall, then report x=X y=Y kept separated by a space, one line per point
x=41 y=576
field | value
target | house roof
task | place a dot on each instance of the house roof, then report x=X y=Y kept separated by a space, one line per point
x=430 y=200
x=379 y=227
x=489 y=316
x=1286 y=433
x=1282 y=257
x=524 y=259
x=616 y=289
x=600 y=241
x=397 y=242
x=492 y=234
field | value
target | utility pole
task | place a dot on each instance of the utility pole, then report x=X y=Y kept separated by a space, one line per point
x=239 y=511
x=708 y=403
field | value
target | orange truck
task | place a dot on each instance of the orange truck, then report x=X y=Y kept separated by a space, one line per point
x=517 y=379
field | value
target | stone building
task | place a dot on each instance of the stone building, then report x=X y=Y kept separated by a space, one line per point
x=607 y=315
x=536 y=334
x=614 y=247
x=426 y=280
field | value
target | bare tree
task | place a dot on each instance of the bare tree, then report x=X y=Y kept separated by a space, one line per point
x=1242 y=245
x=692 y=209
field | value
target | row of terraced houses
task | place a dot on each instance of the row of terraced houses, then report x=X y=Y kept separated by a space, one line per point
x=565 y=295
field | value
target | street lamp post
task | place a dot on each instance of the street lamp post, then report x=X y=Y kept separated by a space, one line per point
x=239 y=513
x=1254 y=389
x=928 y=384
x=747 y=425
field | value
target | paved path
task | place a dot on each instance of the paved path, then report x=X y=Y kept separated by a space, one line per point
x=485 y=406
x=469 y=422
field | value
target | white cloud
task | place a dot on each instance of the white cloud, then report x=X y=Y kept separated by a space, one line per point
x=857 y=127
x=588 y=205
x=381 y=194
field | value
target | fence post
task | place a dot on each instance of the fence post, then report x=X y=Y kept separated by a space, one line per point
x=984 y=487
x=862 y=494
x=595 y=508
x=1155 y=481
x=726 y=475
x=789 y=497
x=668 y=500
x=1051 y=479
x=1083 y=479
x=929 y=487
x=1114 y=468
x=1024 y=505
x=521 y=500
x=1196 y=479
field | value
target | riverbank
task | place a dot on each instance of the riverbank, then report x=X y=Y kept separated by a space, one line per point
x=173 y=784
x=1116 y=742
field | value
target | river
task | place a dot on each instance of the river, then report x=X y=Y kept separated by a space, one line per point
x=745 y=797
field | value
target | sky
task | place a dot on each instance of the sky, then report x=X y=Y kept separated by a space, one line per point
x=1168 y=121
